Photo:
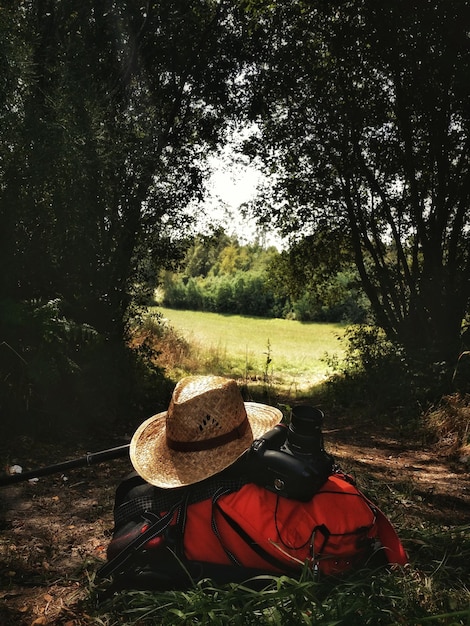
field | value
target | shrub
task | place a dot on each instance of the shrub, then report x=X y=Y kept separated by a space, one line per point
x=374 y=373
x=448 y=423
x=41 y=362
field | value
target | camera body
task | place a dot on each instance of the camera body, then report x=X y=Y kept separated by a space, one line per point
x=290 y=460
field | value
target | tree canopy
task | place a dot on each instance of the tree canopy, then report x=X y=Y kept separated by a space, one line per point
x=105 y=122
x=108 y=110
x=363 y=115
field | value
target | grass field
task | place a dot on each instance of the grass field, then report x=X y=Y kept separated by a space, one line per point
x=292 y=353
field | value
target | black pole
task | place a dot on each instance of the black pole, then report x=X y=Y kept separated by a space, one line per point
x=85 y=461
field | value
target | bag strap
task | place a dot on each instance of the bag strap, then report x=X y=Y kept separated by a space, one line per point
x=157 y=527
x=393 y=547
x=241 y=532
x=145 y=497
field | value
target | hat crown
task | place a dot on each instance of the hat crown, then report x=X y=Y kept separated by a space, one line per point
x=203 y=408
x=206 y=428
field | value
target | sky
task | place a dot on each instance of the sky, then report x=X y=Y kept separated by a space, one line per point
x=232 y=184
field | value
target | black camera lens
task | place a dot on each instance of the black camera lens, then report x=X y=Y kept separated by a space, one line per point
x=304 y=435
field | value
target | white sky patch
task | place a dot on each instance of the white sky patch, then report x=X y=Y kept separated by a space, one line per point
x=232 y=184
x=228 y=189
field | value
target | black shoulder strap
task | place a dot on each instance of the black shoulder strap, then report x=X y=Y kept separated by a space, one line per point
x=157 y=526
x=266 y=556
x=158 y=506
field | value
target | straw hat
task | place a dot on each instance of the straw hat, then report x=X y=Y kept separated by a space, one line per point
x=206 y=428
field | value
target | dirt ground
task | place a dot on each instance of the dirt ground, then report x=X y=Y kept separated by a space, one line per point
x=54 y=532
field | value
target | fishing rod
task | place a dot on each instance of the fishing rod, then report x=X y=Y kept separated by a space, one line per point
x=91 y=458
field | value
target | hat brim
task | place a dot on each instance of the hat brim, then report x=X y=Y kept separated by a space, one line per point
x=157 y=464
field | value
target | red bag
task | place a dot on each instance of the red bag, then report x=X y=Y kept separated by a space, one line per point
x=252 y=529
x=339 y=528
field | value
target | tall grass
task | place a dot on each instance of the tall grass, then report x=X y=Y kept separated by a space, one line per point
x=294 y=355
x=433 y=590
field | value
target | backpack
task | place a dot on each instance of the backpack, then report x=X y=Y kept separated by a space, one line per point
x=230 y=530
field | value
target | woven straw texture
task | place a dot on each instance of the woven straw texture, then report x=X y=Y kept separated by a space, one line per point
x=201 y=408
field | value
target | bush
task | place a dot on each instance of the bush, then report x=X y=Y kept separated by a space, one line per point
x=378 y=375
x=240 y=293
x=336 y=300
x=374 y=374
x=448 y=423
x=41 y=362
x=58 y=375
x=179 y=356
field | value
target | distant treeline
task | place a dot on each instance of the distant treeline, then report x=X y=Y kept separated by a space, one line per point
x=219 y=274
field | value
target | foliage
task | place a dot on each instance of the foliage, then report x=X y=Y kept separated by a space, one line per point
x=55 y=371
x=377 y=375
x=362 y=114
x=318 y=277
x=107 y=111
x=164 y=343
x=218 y=274
x=31 y=380
x=242 y=293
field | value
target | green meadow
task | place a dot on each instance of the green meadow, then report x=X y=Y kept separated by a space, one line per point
x=294 y=354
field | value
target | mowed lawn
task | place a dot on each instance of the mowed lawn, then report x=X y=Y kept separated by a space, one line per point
x=298 y=351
